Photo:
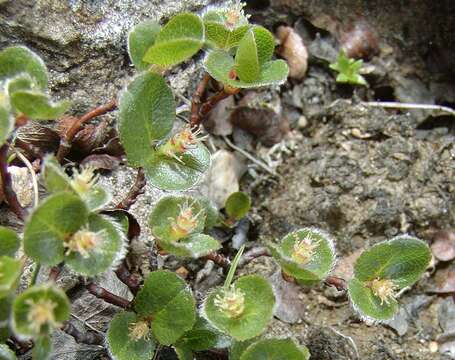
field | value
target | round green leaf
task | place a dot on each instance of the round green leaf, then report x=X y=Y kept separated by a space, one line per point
x=16 y=60
x=147 y=113
x=183 y=353
x=5 y=311
x=212 y=214
x=20 y=82
x=321 y=262
x=34 y=300
x=402 y=259
x=6 y=353
x=367 y=304
x=201 y=337
x=9 y=241
x=140 y=39
x=238 y=348
x=256 y=315
x=178 y=40
x=57 y=217
x=275 y=349
x=172 y=307
x=106 y=254
x=237 y=205
x=10 y=272
x=170 y=174
x=194 y=246
x=6 y=123
x=38 y=106
x=219 y=64
x=121 y=344
x=42 y=349
x=166 y=212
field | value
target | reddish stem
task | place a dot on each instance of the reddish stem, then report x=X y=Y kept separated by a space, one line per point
x=65 y=143
x=196 y=100
x=130 y=280
x=219 y=259
x=107 y=296
x=211 y=102
x=253 y=254
x=7 y=184
x=339 y=283
x=55 y=271
x=136 y=190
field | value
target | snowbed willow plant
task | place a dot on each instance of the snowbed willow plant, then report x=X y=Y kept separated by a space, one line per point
x=73 y=227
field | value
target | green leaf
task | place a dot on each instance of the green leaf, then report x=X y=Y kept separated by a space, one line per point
x=6 y=123
x=10 y=272
x=367 y=304
x=94 y=196
x=307 y=266
x=16 y=60
x=5 y=311
x=170 y=174
x=50 y=224
x=193 y=246
x=201 y=337
x=246 y=59
x=172 y=307
x=140 y=39
x=178 y=40
x=33 y=301
x=348 y=70
x=216 y=34
x=265 y=44
x=9 y=241
x=183 y=353
x=175 y=217
x=42 y=349
x=238 y=348
x=122 y=344
x=106 y=254
x=219 y=64
x=38 y=106
x=6 y=353
x=147 y=113
x=275 y=349
x=20 y=82
x=212 y=215
x=256 y=314
x=402 y=259
x=237 y=205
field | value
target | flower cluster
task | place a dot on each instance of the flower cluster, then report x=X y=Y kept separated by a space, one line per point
x=231 y=301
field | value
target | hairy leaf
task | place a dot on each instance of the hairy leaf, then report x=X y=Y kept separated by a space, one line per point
x=9 y=241
x=38 y=106
x=170 y=174
x=194 y=246
x=178 y=40
x=402 y=259
x=57 y=217
x=367 y=304
x=42 y=349
x=16 y=60
x=201 y=337
x=219 y=65
x=147 y=113
x=275 y=349
x=122 y=344
x=237 y=205
x=140 y=39
x=256 y=315
x=172 y=307
x=348 y=70
x=106 y=254
x=307 y=267
x=247 y=62
x=10 y=272
x=31 y=301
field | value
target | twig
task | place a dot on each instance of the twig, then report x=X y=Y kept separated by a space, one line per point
x=65 y=142
x=196 y=100
x=219 y=259
x=339 y=283
x=124 y=275
x=7 y=185
x=136 y=190
x=32 y=174
x=211 y=102
x=88 y=337
x=251 y=157
x=55 y=271
x=253 y=254
x=409 y=106
x=107 y=296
